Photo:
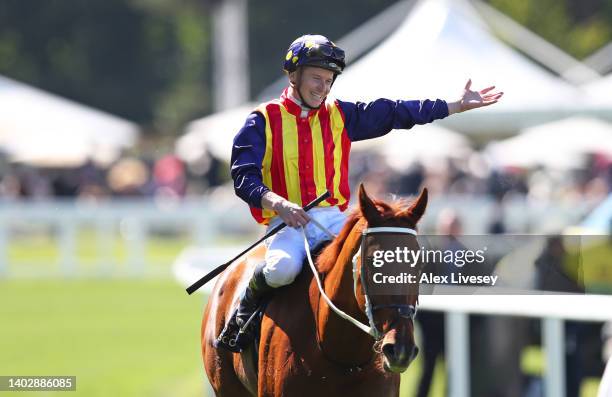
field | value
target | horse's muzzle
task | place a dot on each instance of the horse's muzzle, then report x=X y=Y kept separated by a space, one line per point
x=398 y=356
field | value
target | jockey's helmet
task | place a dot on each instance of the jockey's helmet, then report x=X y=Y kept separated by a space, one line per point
x=314 y=50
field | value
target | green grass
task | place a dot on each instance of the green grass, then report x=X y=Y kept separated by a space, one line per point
x=410 y=379
x=121 y=338
x=125 y=338
x=40 y=254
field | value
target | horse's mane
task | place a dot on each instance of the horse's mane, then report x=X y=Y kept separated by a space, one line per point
x=328 y=257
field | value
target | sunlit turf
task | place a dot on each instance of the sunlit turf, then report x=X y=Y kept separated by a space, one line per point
x=410 y=379
x=128 y=338
x=33 y=255
x=39 y=254
x=120 y=338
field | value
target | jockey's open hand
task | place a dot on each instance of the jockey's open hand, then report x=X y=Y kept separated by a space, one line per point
x=292 y=214
x=474 y=99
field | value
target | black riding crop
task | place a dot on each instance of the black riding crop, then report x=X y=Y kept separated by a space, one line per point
x=195 y=286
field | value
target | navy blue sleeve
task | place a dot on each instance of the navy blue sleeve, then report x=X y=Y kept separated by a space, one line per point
x=247 y=155
x=377 y=118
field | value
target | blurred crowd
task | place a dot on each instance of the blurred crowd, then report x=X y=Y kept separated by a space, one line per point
x=477 y=175
x=169 y=176
x=129 y=176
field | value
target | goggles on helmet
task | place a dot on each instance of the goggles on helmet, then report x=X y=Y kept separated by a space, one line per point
x=326 y=51
x=314 y=50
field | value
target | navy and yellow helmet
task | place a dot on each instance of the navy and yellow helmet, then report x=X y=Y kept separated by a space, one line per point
x=314 y=50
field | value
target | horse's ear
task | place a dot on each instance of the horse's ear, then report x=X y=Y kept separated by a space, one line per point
x=417 y=209
x=368 y=208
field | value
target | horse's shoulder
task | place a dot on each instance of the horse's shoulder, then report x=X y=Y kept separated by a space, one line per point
x=291 y=308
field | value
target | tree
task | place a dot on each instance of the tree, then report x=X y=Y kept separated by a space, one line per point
x=143 y=60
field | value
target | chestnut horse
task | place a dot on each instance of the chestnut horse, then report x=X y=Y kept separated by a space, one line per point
x=307 y=349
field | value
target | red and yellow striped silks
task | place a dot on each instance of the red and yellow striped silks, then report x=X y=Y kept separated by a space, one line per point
x=304 y=156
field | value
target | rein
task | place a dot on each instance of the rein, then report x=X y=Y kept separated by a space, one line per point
x=405 y=311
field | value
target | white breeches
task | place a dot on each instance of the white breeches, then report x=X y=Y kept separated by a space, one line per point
x=286 y=252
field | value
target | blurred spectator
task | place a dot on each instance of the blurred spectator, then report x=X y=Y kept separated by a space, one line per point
x=169 y=177
x=561 y=271
x=497 y=224
x=92 y=183
x=128 y=177
x=65 y=183
x=409 y=182
x=558 y=270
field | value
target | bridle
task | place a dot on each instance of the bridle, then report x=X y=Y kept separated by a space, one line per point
x=403 y=310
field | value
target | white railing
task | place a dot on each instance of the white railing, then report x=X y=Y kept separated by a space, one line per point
x=552 y=309
x=131 y=221
x=205 y=220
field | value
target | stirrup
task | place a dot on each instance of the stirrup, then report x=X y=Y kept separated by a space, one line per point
x=235 y=338
x=228 y=338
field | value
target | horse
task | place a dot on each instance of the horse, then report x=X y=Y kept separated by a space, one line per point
x=304 y=347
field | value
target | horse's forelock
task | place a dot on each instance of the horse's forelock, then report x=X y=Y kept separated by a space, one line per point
x=392 y=209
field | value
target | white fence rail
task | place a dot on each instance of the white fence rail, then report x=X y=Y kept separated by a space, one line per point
x=205 y=220
x=552 y=309
x=131 y=222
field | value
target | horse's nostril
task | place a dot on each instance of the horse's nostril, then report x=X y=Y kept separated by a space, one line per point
x=388 y=350
x=414 y=353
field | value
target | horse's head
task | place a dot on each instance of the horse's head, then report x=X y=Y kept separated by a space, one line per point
x=393 y=315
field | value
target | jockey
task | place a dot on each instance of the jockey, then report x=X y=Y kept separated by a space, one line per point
x=292 y=149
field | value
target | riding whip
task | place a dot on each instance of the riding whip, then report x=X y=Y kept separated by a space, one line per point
x=215 y=272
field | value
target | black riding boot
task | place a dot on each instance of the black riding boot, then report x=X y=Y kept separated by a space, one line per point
x=239 y=331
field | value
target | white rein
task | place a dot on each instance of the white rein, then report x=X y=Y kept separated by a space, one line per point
x=371 y=329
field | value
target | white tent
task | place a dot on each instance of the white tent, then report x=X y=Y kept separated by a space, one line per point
x=600 y=92
x=43 y=129
x=424 y=143
x=214 y=133
x=439 y=46
x=431 y=54
x=560 y=144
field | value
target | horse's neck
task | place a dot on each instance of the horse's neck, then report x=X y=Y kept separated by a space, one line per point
x=340 y=339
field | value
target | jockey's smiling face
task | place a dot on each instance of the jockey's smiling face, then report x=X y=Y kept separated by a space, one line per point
x=312 y=84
